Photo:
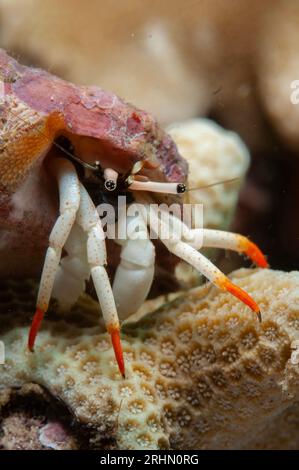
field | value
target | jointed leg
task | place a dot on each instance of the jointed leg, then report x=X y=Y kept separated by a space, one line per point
x=211 y=272
x=202 y=237
x=235 y=242
x=203 y=265
x=69 y=200
x=88 y=218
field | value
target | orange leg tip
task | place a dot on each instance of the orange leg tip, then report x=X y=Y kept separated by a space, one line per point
x=116 y=343
x=235 y=290
x=255 y=254
x=35 y=325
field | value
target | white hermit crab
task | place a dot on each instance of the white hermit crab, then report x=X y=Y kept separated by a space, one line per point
x=92 y=146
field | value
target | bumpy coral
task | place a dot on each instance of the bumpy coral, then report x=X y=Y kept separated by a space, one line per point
x=201 y=371
x=214 y=155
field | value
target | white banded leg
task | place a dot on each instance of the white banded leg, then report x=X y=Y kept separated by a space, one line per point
x=88 y=218
x=230 y=241
x=135 y=273
x=73 y=270
x=69 y=200
x=198 y=261
x=209 y=238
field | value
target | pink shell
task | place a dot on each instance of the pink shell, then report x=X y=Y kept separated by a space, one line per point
x=92 y=112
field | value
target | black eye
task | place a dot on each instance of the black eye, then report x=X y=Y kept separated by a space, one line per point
x=181 y=188
x=110 y=185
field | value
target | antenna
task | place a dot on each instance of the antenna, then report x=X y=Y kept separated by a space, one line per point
x=231 y=180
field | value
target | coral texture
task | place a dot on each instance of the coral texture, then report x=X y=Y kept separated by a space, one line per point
x=214 y=155
x=201 y=371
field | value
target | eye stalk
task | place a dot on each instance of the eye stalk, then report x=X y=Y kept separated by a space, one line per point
x=110 y=179
x=156 y=186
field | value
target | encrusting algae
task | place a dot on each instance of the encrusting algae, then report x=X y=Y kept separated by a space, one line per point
x=202 y=372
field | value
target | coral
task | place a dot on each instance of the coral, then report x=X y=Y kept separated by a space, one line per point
x=214 y=155
x=201 y=371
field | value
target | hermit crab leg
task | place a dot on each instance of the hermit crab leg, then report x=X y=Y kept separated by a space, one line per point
x=69 y=200
x=73 y=270
x=209 y=238
x=135 y=273
x=235 y=242
x=200 y=262
x=88 y=218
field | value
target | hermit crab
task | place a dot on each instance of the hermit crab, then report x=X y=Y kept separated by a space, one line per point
x=68 y=148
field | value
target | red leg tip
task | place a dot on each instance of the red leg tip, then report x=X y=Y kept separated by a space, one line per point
x=255 y=254
x=116 y=343
x=235 y=290
x=35 y=325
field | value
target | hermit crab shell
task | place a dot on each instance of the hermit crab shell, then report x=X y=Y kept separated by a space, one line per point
x=36 y=107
